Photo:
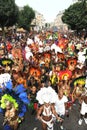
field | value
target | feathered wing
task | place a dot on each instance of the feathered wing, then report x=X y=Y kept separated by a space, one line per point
x=17 y=96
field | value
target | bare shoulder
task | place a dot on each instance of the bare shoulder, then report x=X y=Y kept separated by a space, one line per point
x=41 y=107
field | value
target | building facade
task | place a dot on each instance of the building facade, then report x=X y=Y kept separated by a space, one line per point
x=59 y=23
x=38 y=22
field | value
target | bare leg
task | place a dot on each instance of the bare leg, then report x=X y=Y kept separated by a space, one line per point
x=44 y=126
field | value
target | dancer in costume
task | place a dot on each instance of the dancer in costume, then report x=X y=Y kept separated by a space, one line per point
x=46 y=98
x=13 y=102
x=11 y=110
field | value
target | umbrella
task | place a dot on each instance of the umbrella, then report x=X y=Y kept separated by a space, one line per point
x=6 y=61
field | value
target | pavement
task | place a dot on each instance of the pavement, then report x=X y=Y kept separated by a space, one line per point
x=70 y=123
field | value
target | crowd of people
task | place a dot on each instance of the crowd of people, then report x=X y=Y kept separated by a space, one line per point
x=49 y=69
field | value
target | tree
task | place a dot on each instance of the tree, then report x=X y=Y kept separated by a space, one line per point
x=26 y=15
x=76 y=16
x=8 y=13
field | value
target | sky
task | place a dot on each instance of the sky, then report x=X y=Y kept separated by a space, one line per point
x=49 y=8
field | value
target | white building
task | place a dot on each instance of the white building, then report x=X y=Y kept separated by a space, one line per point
x=39 y=21
x=59 y=23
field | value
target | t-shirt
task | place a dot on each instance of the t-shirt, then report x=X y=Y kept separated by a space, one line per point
x=60 y=105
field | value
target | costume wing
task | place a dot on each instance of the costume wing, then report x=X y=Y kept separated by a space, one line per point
x=17 y=96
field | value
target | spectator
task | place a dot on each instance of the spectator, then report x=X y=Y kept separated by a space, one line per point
x=83 y=110
x=60 y=106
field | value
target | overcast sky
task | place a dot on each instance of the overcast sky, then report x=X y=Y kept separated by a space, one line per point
x=49 y=8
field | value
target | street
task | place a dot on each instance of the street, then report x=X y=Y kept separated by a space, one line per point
x=70 y=123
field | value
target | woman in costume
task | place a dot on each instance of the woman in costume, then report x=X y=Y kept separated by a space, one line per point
x=79 y=87
x=13 y=102
x=11 y=110
x=46 y=98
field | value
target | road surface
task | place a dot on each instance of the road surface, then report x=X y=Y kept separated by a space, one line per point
x=70 y=123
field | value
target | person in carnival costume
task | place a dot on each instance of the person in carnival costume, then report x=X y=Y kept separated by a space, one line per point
x=13 y=102
x=46 y=99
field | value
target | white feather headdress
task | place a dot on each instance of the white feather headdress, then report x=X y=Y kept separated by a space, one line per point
x=46 y=95
x=4 y=78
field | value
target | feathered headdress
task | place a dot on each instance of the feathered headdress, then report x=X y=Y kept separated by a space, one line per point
x=64 y=73
x=72 y=61
x=80 y=80
x=47 y=95
x=35 y=71
x=16 y=96
x=6 y=61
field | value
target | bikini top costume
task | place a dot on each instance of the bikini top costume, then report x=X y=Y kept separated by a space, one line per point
x=47 y=111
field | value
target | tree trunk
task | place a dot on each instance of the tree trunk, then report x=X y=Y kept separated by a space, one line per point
x=3 y=32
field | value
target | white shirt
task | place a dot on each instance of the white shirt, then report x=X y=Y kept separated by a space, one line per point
x=81 y=57
x=60 y=105
x=83 y=108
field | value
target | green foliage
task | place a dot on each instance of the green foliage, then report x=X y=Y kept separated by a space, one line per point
x=76 y=16
x=26 y=15
x=8 y=13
